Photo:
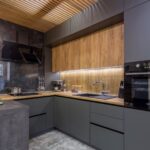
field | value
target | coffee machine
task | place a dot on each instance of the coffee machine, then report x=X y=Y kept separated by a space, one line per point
x=58 y=85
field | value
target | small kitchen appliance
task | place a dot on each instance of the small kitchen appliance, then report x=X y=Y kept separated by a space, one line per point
x=58 y=85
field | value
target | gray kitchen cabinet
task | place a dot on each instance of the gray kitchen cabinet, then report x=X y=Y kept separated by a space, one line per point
x=106 y=126
x=58 y=33
x=137 y=129
x=79 y=119
x=132 y=3
x=72 y=117
x=84 y=21
x=40 y=114
x=104 y=139
x=61 y=114
x=22 y=35
x=97 y=13
x=36 y=39
x=107 y=115
x=7 y=31
x=137 y=33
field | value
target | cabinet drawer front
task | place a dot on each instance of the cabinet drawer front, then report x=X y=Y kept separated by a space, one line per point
x=36 y=106
x=37 y=124
x=112 y=123
x=108 y=110
x=105 y=139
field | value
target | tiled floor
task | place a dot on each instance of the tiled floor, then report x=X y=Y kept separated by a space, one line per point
x=56 y=140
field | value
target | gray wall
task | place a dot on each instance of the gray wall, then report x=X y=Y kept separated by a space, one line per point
x=17 y=74
x=20 y=75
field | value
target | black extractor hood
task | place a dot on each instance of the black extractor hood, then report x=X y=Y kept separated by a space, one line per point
x=21 y=53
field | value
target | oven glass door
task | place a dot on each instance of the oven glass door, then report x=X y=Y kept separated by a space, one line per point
x=137 y=89
x=140 y=90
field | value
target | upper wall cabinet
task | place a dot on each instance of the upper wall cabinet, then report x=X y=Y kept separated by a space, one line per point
x=22 y=35
x=132 y=3
x=98 y=12
x=103 y=48
x=36 y=39
x=58 y=33
x=86 y=20
x=137 y=33
x=7 y=31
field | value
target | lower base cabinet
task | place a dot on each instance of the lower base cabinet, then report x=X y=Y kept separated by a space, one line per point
x=105 y=139
x=137 y=129
x=40 y=115
x=72 y=116
x=37 y=124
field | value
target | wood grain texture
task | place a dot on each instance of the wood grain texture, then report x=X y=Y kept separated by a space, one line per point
x=84 y=79
x=104 y=48
x=41 y=15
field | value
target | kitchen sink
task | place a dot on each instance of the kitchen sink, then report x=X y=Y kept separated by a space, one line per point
x=94 y=95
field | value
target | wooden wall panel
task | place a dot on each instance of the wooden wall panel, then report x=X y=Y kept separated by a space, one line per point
x=104 y=48
x=84 y=79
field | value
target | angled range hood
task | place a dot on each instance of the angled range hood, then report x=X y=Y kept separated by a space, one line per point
x=21 y=53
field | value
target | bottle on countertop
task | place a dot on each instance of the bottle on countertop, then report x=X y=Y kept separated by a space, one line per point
x=121 y=90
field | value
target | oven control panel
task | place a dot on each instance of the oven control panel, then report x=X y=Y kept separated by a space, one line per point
x=143 y=66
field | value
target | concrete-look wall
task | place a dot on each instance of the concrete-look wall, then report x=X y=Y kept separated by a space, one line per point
x=17 y=74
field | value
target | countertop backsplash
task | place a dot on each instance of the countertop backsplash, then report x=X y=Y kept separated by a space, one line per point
x=94 y=80
x=20 y=75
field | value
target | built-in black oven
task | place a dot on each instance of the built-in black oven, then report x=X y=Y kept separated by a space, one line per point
x=137 y=83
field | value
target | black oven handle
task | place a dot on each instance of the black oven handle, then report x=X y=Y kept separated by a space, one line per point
x=137 y=73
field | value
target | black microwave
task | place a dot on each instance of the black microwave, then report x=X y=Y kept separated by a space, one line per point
x=137 y=83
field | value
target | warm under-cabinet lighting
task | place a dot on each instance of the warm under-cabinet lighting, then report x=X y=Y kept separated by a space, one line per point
x=97 y=70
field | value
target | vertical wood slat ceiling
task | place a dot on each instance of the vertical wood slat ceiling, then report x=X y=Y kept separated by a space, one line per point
x=41 y=15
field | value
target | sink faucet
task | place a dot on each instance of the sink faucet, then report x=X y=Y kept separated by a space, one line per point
x=100 y=82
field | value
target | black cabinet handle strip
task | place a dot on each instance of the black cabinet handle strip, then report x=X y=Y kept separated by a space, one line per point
x=107 y=128
x=37 y=115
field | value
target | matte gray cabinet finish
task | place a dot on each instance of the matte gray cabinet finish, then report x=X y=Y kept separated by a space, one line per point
x=37 y=125
x=72 y=117
x=22 y=35
x=79 y=119
x=107 y=115
x=98 y=12
x=133 y=3
x=137 y=33
x=105 y=139
x=61 y=114
x=58 y=32
x=40 y=113
x=137 y=129
x=107 y=110
x=109 y=122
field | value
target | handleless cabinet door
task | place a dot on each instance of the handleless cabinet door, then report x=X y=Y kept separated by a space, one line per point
x=61 y=114
x=133 y=3
x=79 y=119
x=22 y=35
x=137 y=33
x=98 y=12
x=40 y=114
x=137 y=129
x=105 y=139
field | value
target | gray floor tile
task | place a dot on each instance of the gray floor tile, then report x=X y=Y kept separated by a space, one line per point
x=56 y=140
